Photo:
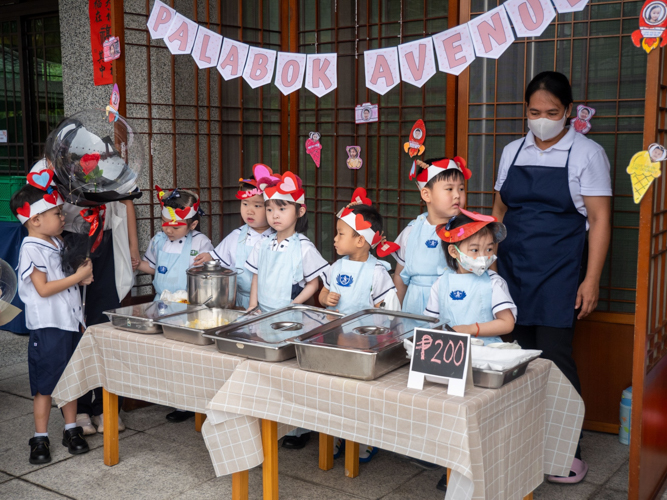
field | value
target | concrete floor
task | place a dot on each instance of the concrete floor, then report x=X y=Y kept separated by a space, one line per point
x=164 y=460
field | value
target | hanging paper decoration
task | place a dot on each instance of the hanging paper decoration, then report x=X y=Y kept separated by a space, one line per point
x=354 y=161
x=259 y=67
x=530 y=17
x=111 y=48
x=314 y=148
x=321 y=74
x=417 y=61
x=366 y=113
x=582 y=122
x=491 y=33
x=181 y=35
x=114 y=102
x=99 y=14
x=382 y=73
x=644 y=168
x=290 y=69
x=232 y=58
x=415 y=146
x=206 y=49
x=454 y=49
x=161 y=17
x=652 y=24
x=565 y=6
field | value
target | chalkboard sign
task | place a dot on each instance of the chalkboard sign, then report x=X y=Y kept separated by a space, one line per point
x=441 y=354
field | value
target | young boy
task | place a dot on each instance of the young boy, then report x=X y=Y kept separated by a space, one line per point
x=52 y=307
x=233 y=251
x=420 y=262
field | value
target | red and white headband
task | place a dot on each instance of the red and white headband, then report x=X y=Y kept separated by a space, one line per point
x=263 y=177
x=429 y=171
x=41 y=180
x=176 y=216
x=288 y=188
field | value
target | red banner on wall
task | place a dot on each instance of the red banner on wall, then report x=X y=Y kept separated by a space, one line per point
x=99 y=12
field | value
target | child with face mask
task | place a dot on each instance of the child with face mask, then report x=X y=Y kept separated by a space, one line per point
x=472 y=299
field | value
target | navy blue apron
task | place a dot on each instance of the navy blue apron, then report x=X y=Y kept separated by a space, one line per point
x=541 y=257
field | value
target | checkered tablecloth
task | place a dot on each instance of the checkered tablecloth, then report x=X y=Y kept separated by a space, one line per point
x=499 y=443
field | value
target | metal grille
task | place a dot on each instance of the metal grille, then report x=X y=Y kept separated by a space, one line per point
x=607 y=72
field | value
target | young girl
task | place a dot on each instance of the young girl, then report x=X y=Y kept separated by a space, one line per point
x=472 y=299
x=234 y=250
x=173 y=251
x=285 y=265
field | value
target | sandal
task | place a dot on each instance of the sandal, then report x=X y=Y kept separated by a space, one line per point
x=577 y=473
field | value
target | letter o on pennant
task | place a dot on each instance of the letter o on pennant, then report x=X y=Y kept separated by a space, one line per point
x=290 y=69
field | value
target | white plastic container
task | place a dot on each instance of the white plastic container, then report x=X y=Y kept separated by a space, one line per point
x=625 y=414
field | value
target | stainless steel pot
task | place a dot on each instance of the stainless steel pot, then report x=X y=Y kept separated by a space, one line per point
x=213 y=283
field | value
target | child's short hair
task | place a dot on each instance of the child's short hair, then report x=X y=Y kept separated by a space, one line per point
x=370 y=215
x=185 y=199
x=445 y=175
x=246 y=186
x=484 y=231
x=301 y=222
x=27 y=193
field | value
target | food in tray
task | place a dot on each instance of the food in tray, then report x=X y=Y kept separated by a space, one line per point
x=178 y=296
x=206 y=324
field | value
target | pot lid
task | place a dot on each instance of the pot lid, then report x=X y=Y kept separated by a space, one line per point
x=212 y=268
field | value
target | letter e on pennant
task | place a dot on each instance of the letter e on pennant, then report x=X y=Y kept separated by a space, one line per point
x=454 y=49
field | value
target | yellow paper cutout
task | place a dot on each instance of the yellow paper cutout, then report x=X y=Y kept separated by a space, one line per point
x=642 y=172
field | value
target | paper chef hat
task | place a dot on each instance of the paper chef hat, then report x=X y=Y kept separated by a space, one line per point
x=176 y=216
x=423 y=171
x=286 y=187
x=41 y=180
x=263 y=177
x=468 y=223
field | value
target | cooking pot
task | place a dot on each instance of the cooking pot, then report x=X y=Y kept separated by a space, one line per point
x=212 y=284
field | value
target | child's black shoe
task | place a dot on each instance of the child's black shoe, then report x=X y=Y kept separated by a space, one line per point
x=73 y=439
x=39 y=450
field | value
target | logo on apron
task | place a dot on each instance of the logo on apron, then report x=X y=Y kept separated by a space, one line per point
x=431 y=243
x=193 y=253
x=344 y=280
x=457 y=295
x=162 y=270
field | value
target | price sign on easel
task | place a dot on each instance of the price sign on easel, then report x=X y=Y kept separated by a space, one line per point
x=444 y=355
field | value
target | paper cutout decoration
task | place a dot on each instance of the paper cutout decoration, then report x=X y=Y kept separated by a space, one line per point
x=111 y=49
x=530 y=17
x=114 y=102
x=454 y=49
x=290 y=69
x=491 y=33
x=232 y=59
x=206 y=49
x=322 y=73
x=366 y=113
x=565 y=6
x=381 y=66
x=354 y=161
x=314 y=148
x=259 y=66
x=417 y=61
x=582 y=122
x=161 y=18
x=181 y=35
x=99 y=23
x=415 y=145
x=652 y=24
x=644 y=168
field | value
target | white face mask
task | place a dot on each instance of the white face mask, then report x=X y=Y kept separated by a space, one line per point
x=477 y=265
x=546 y=129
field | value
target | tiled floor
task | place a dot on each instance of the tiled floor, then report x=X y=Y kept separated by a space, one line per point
x=165 y=460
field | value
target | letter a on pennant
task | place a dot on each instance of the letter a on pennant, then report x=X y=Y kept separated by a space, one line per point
x=232 y=59
x=417 y=61
x=161 y=17
x=564 y=6
x=207 y=48
x=321 y=73
x=259 y=67
x=381 y=68
x=530 y=17
x=181 y=35
x=290 y=69
x=454 y=49
x=491 y=33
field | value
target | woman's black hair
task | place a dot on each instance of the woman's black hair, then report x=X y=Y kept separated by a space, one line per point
x=553 y=82
x=27 y=193
x=185 y=199
x=445 y=175
x=370 y=215
x=301 y=222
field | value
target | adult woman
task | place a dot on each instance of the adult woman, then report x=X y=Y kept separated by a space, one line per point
x=553 y=188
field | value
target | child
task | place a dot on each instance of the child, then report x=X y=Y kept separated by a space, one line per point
x=52 y=305
x=358 y=280
x=234 y=250
x=419 y=260
x=472 y=299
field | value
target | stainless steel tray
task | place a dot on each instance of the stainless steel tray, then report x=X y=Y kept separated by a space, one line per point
x=494 y=380
x=143 y=318
x=364 y=345
x=191 y=327
x=266 y=337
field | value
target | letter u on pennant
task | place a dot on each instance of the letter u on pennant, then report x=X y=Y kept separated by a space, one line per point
x=530 y=17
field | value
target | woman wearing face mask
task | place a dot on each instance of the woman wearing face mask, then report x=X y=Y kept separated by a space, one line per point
x=553 y=195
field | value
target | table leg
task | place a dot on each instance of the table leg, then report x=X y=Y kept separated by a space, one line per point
x=270 y=466
x=110 y=409
x=449 y=473
x=351 y=458
x=326 y=451
x=199 y=421
x=529 y=496
x=240 y=485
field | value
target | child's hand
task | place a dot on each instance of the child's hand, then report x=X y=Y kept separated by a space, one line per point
x=471 y=329
x=332 y=299
x=135 y=263
x=86 y=281
x=85 y=271
x=201 y=258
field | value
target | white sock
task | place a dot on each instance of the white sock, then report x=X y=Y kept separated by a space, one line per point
x=70 y=426
x=41 y=434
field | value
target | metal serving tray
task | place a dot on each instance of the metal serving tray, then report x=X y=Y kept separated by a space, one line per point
x=191 y=327
x=364 y=345
x=494 y=380
x=266 y=337
x=142 y=318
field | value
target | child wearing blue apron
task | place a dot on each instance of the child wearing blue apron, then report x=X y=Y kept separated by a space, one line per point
x=234 y=250
x=420 y=262
x=472 y=299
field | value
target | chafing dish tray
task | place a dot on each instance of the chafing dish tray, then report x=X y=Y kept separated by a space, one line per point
x=191 y=326
x=364 y=345
x=491 y=379
x=265 y=337
x=143 y=318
